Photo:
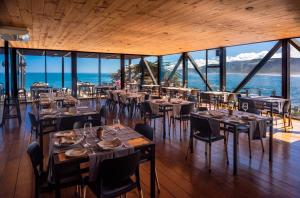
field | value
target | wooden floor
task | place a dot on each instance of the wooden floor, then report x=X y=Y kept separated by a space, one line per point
x=178 y=177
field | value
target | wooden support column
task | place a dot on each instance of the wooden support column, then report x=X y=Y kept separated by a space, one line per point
x=285 y=84
x=13 y=73
x=222 y=69
x=159 y=69
x=74 y=73
x=206 y=65
x=6 y=67
x=184 y=69
x=62 y=71
x=122 y=71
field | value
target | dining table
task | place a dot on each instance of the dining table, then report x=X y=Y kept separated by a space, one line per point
x=93 y=152
x=257 y=125
x=266 y=103
x=54 y=115
x=167 y=104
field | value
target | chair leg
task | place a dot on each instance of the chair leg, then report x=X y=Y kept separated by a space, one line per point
x=205 y=149
x=209 y=158
x=249 y=143
x=226 y=150
x=140 y=193
x=180 y=130
x=157 y=182
x=262 y=145
x=84 y=191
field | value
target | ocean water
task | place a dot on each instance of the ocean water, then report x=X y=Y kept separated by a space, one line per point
x=268 y=84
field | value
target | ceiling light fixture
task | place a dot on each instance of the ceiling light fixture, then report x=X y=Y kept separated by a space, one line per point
x=10 y=33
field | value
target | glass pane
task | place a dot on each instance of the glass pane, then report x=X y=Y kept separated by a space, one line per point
x=110 y=69
x=295 y=81
x=152 y=62
x=54 y=74
x=132 y=69
x=169 y=62
x=88 y=67
x=67 y=72
x=194 y=80
x=213 y=74
x=267 y=81
x=242 y=59
x=34 y=67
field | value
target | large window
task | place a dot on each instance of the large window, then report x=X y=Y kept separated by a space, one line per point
x=169 y=63
x=67 y=71
x=267 y=81
x=88 y=68
x=213 y=68
x=34 y=67
x=152 y=63
x=241 y=60
x=194 y=80
x=54 y=68
x=132 y=69
x=110 y=69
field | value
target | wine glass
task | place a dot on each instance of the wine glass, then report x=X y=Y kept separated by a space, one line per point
x=245 y=106
x=87 y=127
x=116 y=124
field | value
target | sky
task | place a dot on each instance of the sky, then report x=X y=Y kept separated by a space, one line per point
x=90 y=65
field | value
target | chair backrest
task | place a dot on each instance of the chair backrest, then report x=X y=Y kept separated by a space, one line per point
x=146 y=108
x=192 y=98
x=78 y=125
x=201 y=127
x=204 y=97
x=286 y=106
x=186 y=109
x=202 y=109
x=144 y=130
x=36 y=157
x=251 y=106
x=32 y=119
x=66 y=123
x=116 y=170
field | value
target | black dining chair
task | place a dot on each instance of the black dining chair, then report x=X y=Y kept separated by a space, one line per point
x=78 y=125
x=148 y=114
x=285 y=112
x=147 y=132
x=34 y=124
x=183 y=117
x=66 y=123
x=115 y=177
x=207 y=99
x=201 y=130
x=252 y=107
x=35 y=154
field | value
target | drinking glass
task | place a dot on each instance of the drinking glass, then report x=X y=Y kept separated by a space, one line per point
x=87 y=128
x=245 y=106
x=116 y=125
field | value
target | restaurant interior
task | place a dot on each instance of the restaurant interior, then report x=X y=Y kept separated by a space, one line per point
x=149 y=98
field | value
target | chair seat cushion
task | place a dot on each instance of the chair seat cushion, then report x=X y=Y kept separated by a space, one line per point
x=240 y=129
x=113 y=190
x=206 y=139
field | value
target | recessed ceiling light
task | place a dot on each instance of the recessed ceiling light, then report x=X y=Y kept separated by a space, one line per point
x=249 y=8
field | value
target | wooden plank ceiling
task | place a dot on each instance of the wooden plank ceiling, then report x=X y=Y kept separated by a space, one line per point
x=153 y=27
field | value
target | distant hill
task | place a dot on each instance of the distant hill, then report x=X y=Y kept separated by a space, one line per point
x=273 y=66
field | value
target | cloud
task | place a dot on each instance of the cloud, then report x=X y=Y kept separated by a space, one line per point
x=244 y=57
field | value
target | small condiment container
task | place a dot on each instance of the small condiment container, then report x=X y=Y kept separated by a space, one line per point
x=230 y=112
x=100 y=131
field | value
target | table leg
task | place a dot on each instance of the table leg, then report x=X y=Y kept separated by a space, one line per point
x=152 y=172
x=164 y=123
x=235 y=151
x=271 y=142
x=41 y=143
